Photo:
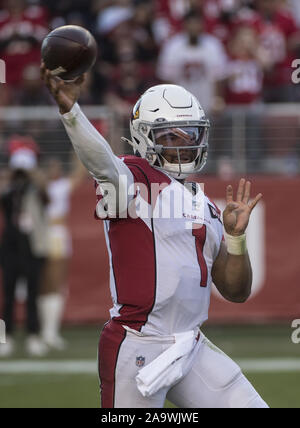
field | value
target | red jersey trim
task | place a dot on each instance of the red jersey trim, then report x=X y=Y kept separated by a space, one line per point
x=133 y=251
x=109 y=349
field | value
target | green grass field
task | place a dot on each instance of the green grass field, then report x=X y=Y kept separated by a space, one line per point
x=69 y=379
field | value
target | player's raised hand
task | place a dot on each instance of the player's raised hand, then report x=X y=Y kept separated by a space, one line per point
x=237 y=212
x=66 y=94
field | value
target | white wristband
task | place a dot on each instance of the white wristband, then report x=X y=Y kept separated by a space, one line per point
x=236 y=245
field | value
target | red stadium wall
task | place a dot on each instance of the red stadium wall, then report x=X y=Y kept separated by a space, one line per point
x=278 y=296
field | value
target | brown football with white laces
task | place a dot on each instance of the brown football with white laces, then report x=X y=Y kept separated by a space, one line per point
x=69 y=51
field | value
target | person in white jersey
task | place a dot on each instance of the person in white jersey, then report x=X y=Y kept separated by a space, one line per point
x=165 y=245
x=195 y=60
x=54 y=284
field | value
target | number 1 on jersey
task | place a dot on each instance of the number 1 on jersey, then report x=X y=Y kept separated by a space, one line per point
x=200 y=238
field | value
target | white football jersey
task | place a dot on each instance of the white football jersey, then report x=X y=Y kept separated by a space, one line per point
x=161 y=261
x=59 y=192
x=196 y=68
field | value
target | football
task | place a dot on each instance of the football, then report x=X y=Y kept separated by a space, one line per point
x=69 y=51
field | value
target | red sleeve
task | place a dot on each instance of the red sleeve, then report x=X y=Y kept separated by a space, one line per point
x=287 y=23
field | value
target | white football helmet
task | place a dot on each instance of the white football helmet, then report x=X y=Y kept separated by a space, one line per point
x=169 y=128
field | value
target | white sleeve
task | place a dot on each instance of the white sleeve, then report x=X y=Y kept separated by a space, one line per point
x=96 y=154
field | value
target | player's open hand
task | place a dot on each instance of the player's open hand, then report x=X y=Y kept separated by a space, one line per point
x=65 y=93
x=237 y=213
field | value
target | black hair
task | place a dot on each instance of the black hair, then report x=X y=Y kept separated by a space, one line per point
x=20 y=174
x=193 y=14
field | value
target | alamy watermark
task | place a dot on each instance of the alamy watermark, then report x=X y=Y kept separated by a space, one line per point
x=296 y=72
x=2 y=71
x=296 y=332
x=2 y=332
x=138 y=200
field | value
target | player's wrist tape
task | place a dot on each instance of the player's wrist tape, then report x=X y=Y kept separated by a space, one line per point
x=236 y=245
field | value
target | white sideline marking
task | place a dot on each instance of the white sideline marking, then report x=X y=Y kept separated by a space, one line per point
x=46 y=367
x=260 y=365
x=270 y=365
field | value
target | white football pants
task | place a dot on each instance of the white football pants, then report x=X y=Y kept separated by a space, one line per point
x=214 y=381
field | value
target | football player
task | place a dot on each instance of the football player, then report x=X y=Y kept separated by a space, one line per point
x=166 y=246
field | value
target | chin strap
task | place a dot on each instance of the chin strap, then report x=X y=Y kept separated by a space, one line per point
x=135 y=147
x=131 y=143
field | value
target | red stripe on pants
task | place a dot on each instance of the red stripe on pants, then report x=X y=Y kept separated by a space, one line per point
x=111 y=339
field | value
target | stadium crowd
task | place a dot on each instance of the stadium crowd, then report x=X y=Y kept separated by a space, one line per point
x=229 y=53
x=251 y=46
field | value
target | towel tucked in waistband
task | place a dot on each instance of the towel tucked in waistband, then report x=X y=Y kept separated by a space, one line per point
x=169 y=367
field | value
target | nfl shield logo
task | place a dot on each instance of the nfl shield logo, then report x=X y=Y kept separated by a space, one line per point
x=140 y=361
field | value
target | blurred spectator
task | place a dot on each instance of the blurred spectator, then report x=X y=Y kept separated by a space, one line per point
x=144 y=31
x=54 y=285
x=4 y=179
x=24 y=241
x=113 y=32
x=194 y=60
x=32 y=91
x=245 y=69
x=22 y=29
x=248 y=61
x=217 y=15
x=128 y=53
x=75 y=12
x=113 y=16
x=294 y=6
x=280 y=36
x=169 y=15
x=127 y=85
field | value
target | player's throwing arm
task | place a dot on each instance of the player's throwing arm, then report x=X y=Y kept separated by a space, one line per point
x=91 y=148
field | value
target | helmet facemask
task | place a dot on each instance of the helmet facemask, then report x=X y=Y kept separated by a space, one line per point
x=181 y=150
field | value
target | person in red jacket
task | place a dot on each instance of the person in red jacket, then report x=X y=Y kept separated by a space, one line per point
x=22 y=29
x=280 y=36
